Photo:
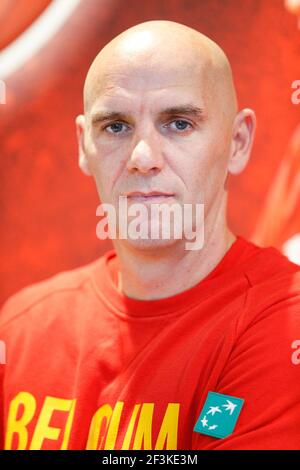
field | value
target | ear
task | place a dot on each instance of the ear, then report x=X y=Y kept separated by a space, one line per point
x=242 y=140
x=82 y=160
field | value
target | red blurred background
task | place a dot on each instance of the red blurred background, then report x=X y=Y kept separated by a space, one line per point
x=48 y=206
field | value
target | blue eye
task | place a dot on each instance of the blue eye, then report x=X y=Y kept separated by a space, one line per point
x=116 y=126
x=183 y=124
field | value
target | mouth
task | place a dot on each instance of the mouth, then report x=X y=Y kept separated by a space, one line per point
x=151 y=196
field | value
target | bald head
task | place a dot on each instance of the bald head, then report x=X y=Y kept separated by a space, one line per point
x=158 y=46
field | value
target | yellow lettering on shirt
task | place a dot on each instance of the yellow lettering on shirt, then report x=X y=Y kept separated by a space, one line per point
x=144 y=428
x=128 y=435
x=169 y=428
x=104 y=429
x=113 y=428
x=19 y=425
x=43 y=430
x=103 y=413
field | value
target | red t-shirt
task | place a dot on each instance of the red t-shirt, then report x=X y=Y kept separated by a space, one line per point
x=89 y=368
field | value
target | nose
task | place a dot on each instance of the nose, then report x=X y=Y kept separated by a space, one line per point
x=145 y=158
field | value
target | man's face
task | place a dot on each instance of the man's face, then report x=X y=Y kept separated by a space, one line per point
x=152 y=145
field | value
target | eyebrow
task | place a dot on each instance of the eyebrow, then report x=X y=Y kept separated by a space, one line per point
x=188 y=110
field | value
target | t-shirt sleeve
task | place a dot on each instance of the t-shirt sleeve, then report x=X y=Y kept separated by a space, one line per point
x=7 y=312
x=2 y=370
x=1 y=407
x=264 y=370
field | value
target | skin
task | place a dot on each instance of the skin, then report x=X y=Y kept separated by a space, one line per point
x=143 y=71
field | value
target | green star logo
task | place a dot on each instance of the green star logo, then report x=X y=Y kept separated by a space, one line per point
x=219 y=415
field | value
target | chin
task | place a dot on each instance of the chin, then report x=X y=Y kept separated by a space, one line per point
x=152 y=245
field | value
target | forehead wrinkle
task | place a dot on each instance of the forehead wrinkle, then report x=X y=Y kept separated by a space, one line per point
x=170 y=101
x=186 y=109
x=113 y=93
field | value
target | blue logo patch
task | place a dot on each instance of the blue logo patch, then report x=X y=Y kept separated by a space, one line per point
x=219 y=415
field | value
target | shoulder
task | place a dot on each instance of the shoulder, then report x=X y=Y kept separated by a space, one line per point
x=62 y=287
x=271 y=275
x=274 y=288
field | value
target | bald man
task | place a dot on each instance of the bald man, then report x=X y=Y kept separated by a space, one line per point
x=158 y=345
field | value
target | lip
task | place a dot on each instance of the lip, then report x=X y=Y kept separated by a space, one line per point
x=146 y=195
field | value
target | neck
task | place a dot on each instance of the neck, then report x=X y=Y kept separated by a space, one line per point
x=164 y=272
